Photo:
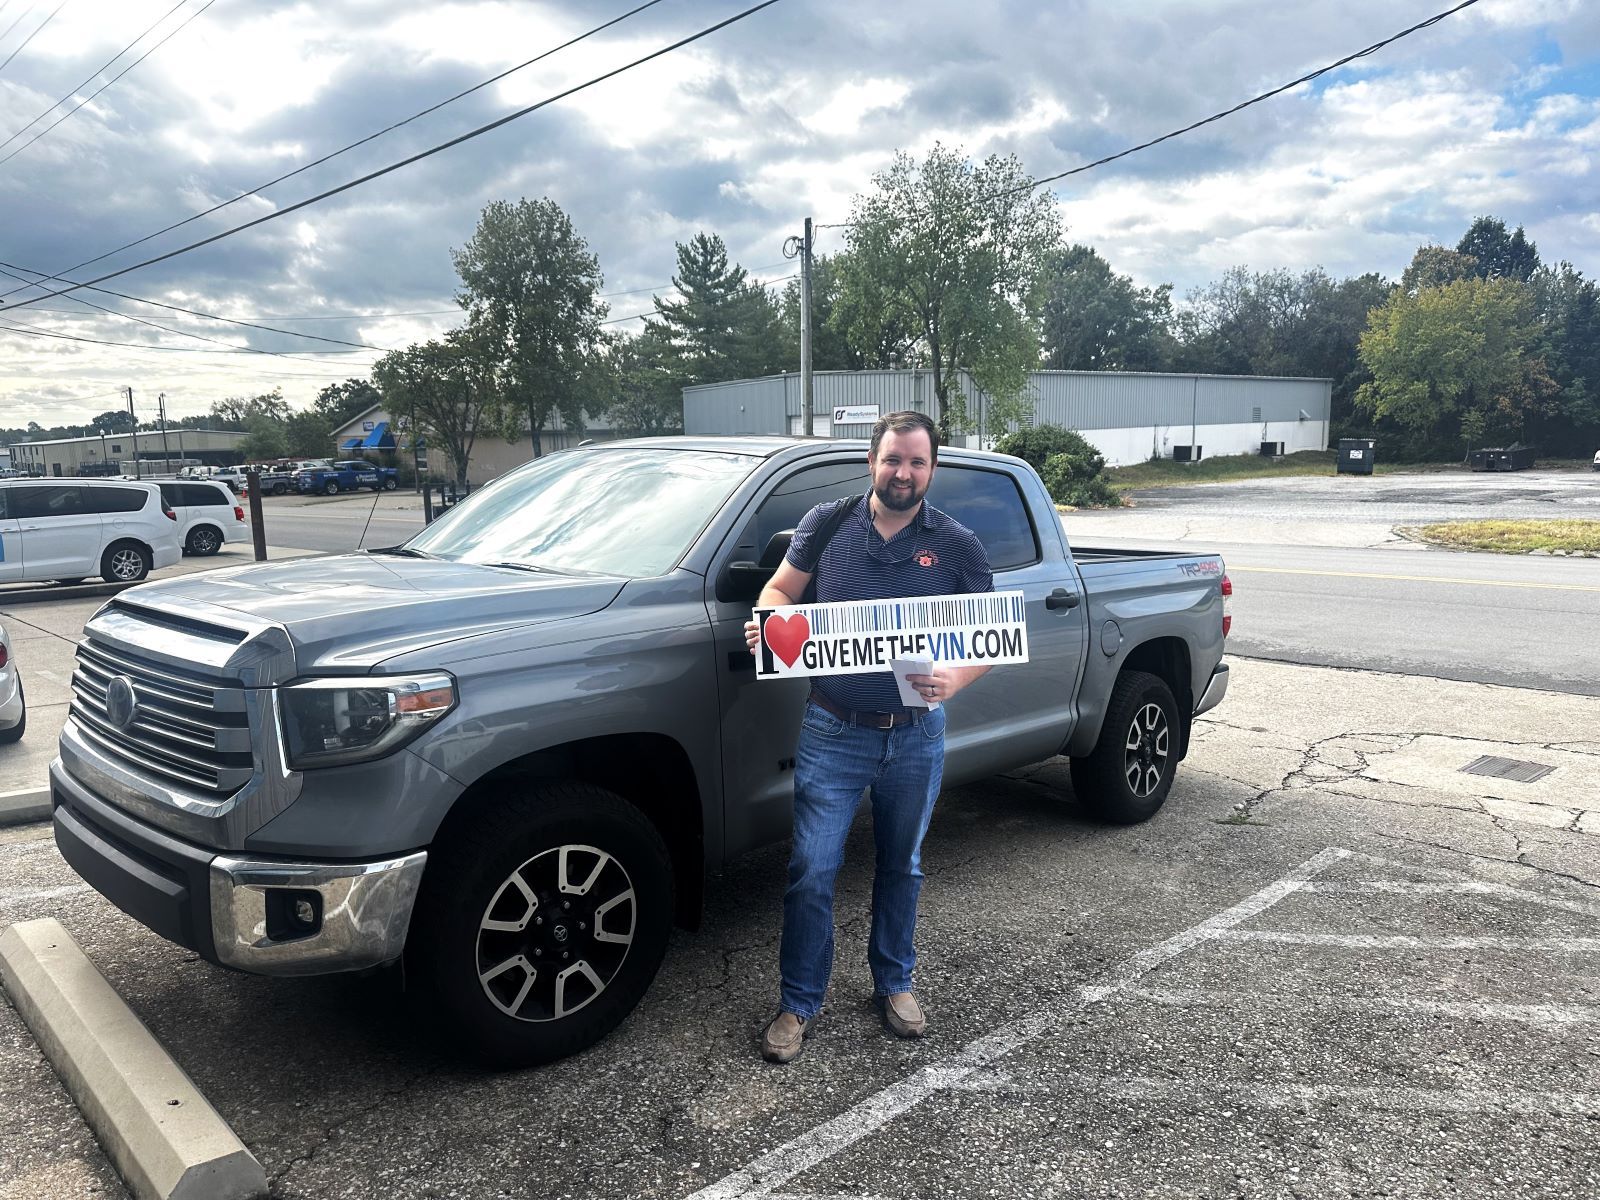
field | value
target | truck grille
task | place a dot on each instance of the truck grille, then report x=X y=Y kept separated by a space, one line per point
x=185 y=730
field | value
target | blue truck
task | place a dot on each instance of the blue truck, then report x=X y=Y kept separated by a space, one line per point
x=347 y=477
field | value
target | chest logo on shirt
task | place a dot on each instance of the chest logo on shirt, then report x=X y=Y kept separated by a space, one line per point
x=925 y=558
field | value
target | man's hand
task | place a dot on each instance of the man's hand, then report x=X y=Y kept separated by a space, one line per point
x=944 y=682
x=752 y=636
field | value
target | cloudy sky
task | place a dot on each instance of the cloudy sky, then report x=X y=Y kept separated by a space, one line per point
x=783 y=115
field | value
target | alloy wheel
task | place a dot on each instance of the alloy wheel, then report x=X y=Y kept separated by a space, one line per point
x=1146 y=749
x=556 y=932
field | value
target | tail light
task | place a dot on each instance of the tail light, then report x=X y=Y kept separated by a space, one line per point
x=238 y=513
x=1227 y=594
x=3 y=657
x=166 y=510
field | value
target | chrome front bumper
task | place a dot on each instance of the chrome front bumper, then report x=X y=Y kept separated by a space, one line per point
x=1215 y=690
x=362 y=913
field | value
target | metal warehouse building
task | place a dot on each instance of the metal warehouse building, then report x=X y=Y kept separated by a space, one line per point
x=1129 y=416
x=112 y=453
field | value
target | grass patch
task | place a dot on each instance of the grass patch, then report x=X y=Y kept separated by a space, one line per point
x=1514 y=537
x=1228 y=467
x=1166 y=473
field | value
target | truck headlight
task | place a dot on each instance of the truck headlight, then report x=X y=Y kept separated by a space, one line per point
x=350 y=719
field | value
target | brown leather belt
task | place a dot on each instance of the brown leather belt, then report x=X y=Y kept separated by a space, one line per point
x=870 y=720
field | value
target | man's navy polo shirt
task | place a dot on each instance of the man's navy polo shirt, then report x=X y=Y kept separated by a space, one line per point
x=934 y=555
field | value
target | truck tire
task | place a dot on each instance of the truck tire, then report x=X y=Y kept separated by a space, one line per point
x=204 y=540
x=540 y=925
x=280 y=488
x=125 y=562
x=331 y=488
x=1126 y=777
x=389 y=485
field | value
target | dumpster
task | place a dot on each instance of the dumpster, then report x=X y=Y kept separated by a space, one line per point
x=1503 y=458
x=1356 y=456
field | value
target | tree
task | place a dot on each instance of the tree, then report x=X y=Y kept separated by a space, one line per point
x=1498 y=254
x=265 y=440
x=115 y=420
x=648 y=397
x=1466 y=352
x=1096 y=321
x=1568 y=306
x=448 y=386
x=722 y=326
x=308 y=434
x=957 y=253
x=340 y=403
x=832 y=317
x=1435 y=266
x=531 y=288
x=235 y=412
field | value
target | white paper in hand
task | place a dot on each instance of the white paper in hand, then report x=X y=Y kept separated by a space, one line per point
x=909 y=696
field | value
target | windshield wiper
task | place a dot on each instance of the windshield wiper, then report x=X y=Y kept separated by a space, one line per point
x=537 y=570
x=403 y=551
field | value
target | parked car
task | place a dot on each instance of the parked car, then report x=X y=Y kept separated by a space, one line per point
x=13 y=706
x=273 y=481
x=511 y=748
x=67 y=530
x=1597 y=460
x=207 y=516
x=347 y=477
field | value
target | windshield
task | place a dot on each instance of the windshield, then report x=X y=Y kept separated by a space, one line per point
x=631 y=512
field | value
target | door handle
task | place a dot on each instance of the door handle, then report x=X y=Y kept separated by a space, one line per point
x=1061 y=598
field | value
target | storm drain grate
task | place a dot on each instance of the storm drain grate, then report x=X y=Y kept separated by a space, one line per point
x=1514 y=769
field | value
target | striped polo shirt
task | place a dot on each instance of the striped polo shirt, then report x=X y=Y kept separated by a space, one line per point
x=934 y=555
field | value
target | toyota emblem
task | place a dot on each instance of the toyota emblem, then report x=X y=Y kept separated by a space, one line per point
x=122 y=702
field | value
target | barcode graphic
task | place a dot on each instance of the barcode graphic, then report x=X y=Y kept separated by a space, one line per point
x=950 y=612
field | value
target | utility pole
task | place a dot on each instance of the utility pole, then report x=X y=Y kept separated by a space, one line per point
x=805 y=326
x=135 y=420
x=166 y=451
x=801 y=246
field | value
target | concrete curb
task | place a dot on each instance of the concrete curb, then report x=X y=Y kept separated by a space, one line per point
x=161 y=1134
x=77 y=591
x=30 y=804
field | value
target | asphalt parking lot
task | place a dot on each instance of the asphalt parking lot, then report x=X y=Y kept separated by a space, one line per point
x=1334 y=965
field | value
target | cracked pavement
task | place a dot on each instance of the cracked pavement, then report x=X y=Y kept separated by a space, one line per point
x=1384 y=1030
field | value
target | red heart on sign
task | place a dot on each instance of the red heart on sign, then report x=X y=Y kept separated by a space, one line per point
x=787 y=636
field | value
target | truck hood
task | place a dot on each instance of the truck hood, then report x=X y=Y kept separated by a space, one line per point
x=348 y=611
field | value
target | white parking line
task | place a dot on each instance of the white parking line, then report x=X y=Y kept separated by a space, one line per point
x=1388 y=1098
x=1445 y=874
x=775 y=1168
x=1368 y=941
x=1480 y=887
x=1472 y=1010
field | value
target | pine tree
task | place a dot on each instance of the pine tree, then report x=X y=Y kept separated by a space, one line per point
x=724 y=326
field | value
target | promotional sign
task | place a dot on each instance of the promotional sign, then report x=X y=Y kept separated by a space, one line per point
x=856 y=414
x=858 y=636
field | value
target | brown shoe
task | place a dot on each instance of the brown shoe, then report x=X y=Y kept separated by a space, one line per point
x=903 y=1015
x=784 y=1037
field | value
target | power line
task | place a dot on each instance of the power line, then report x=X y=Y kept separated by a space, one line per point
x=652 y=312
x=31 y=36
x=16 y=20
x=405 y=162
x=1294 y=83
x=167 y=328
x=327 y=157
x=1307 y=78
x=92 y=75
x=193 y=312
x=38 y=331
x=108 y=82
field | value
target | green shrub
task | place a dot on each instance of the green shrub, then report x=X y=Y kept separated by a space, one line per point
x=1072 y=469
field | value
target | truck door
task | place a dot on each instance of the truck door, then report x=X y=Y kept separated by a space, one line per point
x=761 y=721
x=1024 y=712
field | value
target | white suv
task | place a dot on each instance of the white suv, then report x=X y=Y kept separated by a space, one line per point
x=69 y=529
x=207 y=516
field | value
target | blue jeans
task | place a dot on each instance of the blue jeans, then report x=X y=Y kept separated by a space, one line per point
x=834 y=763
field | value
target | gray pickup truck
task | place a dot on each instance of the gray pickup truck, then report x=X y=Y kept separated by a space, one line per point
x=509 y=750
